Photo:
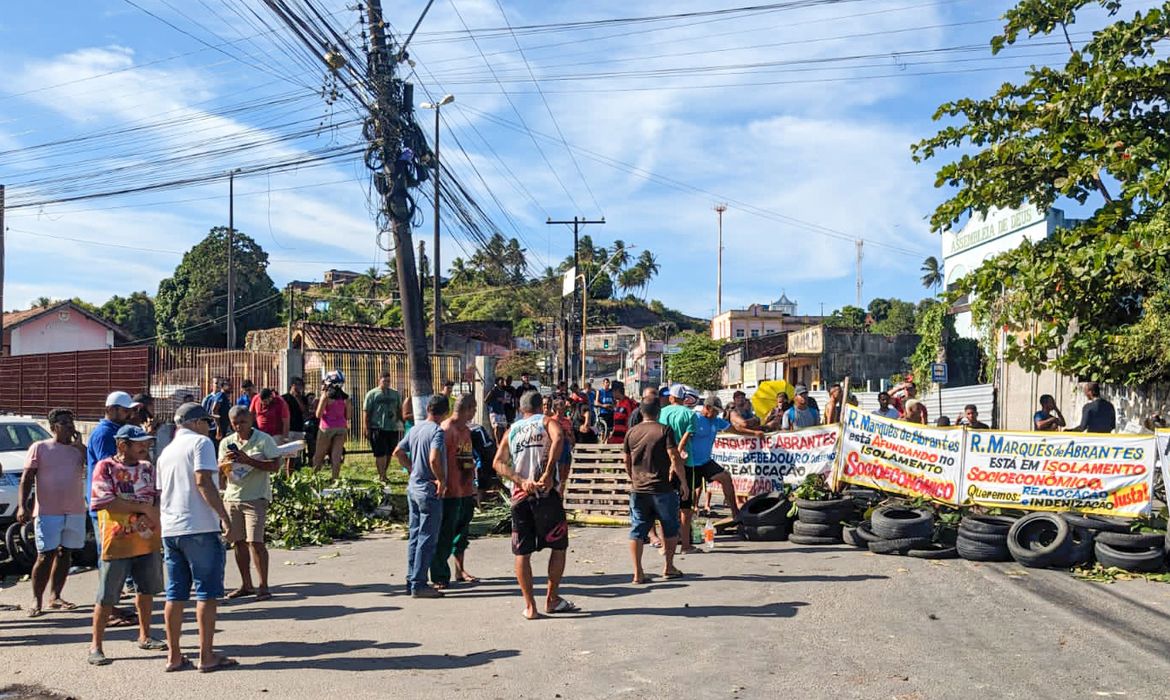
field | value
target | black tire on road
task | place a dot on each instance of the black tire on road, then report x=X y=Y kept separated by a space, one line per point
x=850 y=537
x=997 y=538
x=816 y=529
x=865 y=531
x=989 y=524
x=1040 y=540
x=809 y=539
x=765 y=509
x=1145 y=560
x=1133 y=540
x=831 y=504
x=898 y=523
x=1096 y=523
x=936 y=550
x=900 y=545
x=14 y=540
x=825 y=517
x=975 y=550
x=1081 y=551
x=764 y=533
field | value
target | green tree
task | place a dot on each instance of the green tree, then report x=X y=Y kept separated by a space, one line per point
x=519 y=362
x=191 y=305
x=878 y=309
x=899 y=319
x=1095 y=131
x=847 y=317
x=932 y=273
x=698 y=362
x=135 y=313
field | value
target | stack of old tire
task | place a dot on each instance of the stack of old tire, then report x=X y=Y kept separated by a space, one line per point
x=984 y=538
x=900 y=530
x=764 y=517
x=820 y=522
x=1116 y=545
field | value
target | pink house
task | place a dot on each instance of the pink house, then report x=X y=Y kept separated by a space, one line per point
x=61 y=327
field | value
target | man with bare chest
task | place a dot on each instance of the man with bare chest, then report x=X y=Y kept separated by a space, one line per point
x=458 y=496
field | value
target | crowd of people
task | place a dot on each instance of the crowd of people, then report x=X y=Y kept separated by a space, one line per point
x=165 y=496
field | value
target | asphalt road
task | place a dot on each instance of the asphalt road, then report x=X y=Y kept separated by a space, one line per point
x=750 y=620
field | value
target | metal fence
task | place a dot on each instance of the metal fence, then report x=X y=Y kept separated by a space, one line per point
x=178 y=371
x=363 y=371
x=36 y=384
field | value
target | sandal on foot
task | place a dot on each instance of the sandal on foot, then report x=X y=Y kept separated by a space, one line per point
x=239 y=593
x=119 y=621
x=263 y=595
x=62 y=605
x=673 y=573
x=35 y=612
x=97 y=658
x=221 y=662
x=563 y=606
x=152 y=644
x=183 y=665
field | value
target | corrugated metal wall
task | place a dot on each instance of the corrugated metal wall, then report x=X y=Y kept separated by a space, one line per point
x=35 y=384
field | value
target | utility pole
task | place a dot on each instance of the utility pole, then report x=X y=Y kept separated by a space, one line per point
x=385 y=119
x=719 y=209
x=859 y=244
x=436 y=283
x=422 y=274
x=231 y=266
x=577 y=222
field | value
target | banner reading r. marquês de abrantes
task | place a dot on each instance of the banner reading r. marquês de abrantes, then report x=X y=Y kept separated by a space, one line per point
x=760 y=465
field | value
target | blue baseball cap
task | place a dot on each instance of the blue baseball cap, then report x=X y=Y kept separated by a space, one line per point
x=132 y=433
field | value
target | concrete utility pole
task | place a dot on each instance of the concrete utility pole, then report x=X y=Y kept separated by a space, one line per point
x=436 y=283
x=719 y=209
x=859 y=243
x=386 y=118
x=231 y=266
x=577 y=222
x=422 y=275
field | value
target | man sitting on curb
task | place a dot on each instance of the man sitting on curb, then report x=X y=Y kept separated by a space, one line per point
x=125 y=496
x=248 y=493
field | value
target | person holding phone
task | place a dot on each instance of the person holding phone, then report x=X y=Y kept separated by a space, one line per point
x=248 y=457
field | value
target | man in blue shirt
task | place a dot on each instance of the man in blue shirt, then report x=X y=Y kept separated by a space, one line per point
x=604 y=404
x=700 y=467
x=102 y=445
x=424 y=452
x=249 y=390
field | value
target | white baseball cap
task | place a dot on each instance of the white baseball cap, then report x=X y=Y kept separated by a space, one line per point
x=120 y=399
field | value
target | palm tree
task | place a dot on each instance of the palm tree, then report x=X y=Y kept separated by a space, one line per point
x=630 y=279
x=620 y=255
x=459 y=271
x=932 y=273
x=649 y=266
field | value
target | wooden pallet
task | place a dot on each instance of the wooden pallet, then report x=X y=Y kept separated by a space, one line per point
x=598 y=484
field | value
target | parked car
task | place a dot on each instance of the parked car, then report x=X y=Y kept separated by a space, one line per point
x=16 y=435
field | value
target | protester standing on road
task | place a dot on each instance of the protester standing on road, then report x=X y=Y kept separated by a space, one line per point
x=800 y=414
x=217 y=403
x=248 y=457
x=383 y=413
x=623 y=406
x=902 y=394
x=271 y=413
x=246 y=396
x=914 y=412
x=701 y=467
x=459 y=497
x=832 y=414
x=1098 y=415
x=511 y=399
x=605 y=405
x=648 y=394
x=483 y=447
x=298 y=411
x=193 y=516
x=333 y=413
x=971 y=418
x=1049 y=417
x=55 y=469
x=424 y=451
x=654 y=465
x=527 y=462
x=884 y=408
x=125 y=495
x=101 y=444
x=495 y=401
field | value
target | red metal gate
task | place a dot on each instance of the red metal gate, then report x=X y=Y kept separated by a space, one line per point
x=36 y=384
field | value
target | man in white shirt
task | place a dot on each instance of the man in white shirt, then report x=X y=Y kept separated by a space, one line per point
x=192 y=518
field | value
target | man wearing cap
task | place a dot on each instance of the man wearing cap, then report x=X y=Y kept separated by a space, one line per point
x=55 y=470
x=800 y=414
x=701 y=467
x=192 y=517
x=248 y=457
x=125 y=495
x=101 y=444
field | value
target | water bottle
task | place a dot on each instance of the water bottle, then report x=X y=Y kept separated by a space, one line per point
x=708 y=536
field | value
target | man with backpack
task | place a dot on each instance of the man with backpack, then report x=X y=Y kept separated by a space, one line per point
x=801 y=414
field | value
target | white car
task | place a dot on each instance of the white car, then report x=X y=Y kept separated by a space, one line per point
x=16 y=435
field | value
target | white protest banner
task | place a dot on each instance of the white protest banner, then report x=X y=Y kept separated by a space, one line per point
x=899 y=457
x=1101 y=474
x=760 y=465
x=1163 y=436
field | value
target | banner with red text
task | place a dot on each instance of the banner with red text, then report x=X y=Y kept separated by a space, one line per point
x=1100 y=474
x=899 y=457
x=760 y=465
x=1163 y=436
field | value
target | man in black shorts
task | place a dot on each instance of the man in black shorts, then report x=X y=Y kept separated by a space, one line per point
x=483 y=448
x=383 y=412
x=527 y=461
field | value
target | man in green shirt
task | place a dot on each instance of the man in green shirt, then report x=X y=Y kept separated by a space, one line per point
x=383 y=411
x=681 y=421
x=248 y=456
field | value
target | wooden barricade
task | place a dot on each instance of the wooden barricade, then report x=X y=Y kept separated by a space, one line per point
x=598 y=488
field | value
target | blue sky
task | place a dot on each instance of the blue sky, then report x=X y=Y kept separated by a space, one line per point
x=804 y=129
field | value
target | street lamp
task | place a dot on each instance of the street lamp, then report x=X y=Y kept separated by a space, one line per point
x=437 y=106
x=585 y=285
